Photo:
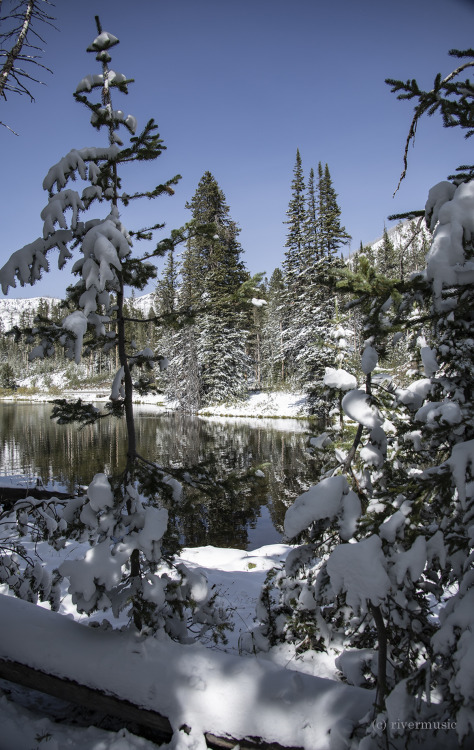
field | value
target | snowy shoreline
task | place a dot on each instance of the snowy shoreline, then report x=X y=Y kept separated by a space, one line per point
x=259 y=404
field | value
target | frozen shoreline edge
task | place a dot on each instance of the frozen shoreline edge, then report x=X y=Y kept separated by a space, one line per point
x=271 y=405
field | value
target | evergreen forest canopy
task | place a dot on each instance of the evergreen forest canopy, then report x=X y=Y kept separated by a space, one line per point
x=382 y=568
x=217 y=346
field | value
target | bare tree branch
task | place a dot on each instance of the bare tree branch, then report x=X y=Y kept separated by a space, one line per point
x=26 y=12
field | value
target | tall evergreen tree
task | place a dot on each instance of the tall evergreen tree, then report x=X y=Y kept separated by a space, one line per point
x=309 y=298
x=297 y=217
x=332 y=233
x=167 y=286
x=294 y=263
x=212 y=274
x=388 y=571
x=273 y=346
x=387 y=258
x=312 y=233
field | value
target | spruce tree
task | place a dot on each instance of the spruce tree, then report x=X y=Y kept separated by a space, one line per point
x=314 y=237
x=387 y=261
x=293 y=264
x=166 y=304
x=445 y=490
x=214 y=347
x=167 y=286
x=297 y=217
x=129 y=564
x=312 y=233
x=332 y=234
x=274 y=357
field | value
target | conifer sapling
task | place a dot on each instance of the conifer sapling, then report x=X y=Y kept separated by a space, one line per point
x=129 y=565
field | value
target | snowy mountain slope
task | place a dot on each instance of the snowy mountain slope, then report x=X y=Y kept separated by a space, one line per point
x=12 y=310
x=400 y=234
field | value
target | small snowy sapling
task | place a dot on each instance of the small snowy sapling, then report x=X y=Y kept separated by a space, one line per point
x=130 y=562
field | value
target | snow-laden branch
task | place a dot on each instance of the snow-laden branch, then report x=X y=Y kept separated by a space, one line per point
x=75 y=161
x=27 y=263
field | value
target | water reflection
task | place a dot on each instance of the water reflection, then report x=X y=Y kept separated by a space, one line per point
x=31 y=444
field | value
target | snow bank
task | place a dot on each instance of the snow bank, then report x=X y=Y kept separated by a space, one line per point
x=207 y=690
x=259 y=403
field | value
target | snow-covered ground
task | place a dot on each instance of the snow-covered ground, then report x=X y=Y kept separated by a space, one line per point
x=257 y=404
x=293 y=701
x=262 y=403
x=296 y=701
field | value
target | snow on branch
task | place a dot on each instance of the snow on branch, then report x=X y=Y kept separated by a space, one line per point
x=360 y=571
x=27 y=263
x=447 y=262
x=74 y=161
x=331 y=498
x=53 y=212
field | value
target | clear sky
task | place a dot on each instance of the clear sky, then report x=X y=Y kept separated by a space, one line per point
x=236 y=86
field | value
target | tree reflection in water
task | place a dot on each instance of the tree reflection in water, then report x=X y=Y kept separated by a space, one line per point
x=33 y=445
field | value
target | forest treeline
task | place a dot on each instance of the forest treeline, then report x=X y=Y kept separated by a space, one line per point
x=224 y=333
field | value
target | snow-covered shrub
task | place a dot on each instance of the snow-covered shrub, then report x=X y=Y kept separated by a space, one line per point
x=375 y=556
x=403 y=584
x=21 y=571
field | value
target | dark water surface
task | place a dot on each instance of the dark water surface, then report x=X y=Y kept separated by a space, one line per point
x=33 y=446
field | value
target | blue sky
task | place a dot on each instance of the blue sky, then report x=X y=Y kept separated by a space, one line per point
x=236 y=87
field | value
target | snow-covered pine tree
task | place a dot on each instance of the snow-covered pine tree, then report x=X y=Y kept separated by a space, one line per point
x=309 y=266
x=272 y=345
x=331 y=233
x=214 y=348
x=166 y=300
x=445 y=421
x=387 y=260
x=297 y=218
x=312 y=234
x=130 y=562
x=292 y=266
x=357 y=585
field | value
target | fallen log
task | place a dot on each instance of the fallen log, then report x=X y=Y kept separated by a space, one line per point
x=111 y=705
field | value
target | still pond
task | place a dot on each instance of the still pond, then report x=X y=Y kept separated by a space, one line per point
x=34 y=447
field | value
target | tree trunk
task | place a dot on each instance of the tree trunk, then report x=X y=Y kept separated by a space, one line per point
x=382 y=656
x=16 y=49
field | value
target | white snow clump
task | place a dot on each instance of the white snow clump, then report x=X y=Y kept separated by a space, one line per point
x=360 y=570
x=76 y=323
x=453 y=208
x=330 y=498
x=357 y=405
x=369 y=359
x=339 y=379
